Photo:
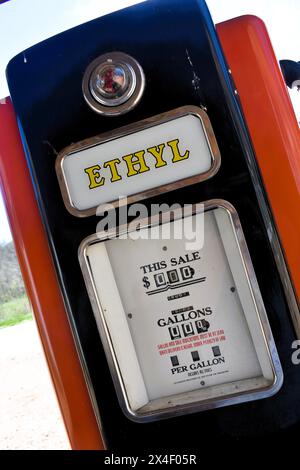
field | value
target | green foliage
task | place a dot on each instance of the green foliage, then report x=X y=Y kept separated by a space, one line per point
x=11 y=282
x=14 y=311
x=14 y=306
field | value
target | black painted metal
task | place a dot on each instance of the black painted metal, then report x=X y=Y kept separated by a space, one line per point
x=176 y=44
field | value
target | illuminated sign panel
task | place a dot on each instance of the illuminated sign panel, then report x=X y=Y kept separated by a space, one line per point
x=138 y=161
x=184 y=329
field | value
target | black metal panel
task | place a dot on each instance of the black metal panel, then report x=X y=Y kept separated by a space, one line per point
x=176 y=45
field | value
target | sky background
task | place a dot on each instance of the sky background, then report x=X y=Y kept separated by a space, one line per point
x=26 y=22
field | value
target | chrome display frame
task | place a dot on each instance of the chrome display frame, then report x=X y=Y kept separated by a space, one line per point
x=196 y=406
x=132 y=129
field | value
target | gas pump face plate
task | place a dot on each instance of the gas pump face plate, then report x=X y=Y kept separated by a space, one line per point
x=176 y=45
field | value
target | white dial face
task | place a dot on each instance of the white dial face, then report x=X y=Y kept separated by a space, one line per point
x=181 y=320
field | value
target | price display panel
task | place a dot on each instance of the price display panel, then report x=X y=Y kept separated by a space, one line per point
x=182 y=319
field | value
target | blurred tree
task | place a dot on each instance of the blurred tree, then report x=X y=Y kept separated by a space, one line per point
x=11 y=282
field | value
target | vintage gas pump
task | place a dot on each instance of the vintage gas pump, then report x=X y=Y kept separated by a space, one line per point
x=135 y=126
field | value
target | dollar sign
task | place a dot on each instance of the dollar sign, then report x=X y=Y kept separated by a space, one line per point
x=146 y=282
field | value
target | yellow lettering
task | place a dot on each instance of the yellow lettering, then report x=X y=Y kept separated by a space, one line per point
x=157 y=152
x=112 y=164
x=134 y=159
x=135 y=163
x=173 y=144
x=95 y=178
